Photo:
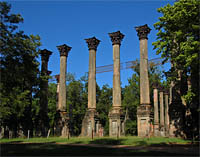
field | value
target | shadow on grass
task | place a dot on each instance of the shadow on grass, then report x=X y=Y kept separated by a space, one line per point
x=107 y=141
x=35 y=149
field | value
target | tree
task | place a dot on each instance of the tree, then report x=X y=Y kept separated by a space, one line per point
x=19 y=71
x=104 y=104
x=178 y=42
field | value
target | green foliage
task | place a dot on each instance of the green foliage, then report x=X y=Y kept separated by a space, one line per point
x=19 y=70
x=178 y=42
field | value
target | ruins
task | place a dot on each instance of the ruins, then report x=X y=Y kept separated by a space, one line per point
x=144 y=109
x=90 y=124
x=62 y=118
x=116 y=115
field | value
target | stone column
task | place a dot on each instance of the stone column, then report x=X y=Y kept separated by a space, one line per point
x=89 y=122
x=43 y=114
x=57 y=90
x=116 y=116
x=156 y=117
x=62 y=117
x=144 y=110
x=166 y=94
x=162 y=121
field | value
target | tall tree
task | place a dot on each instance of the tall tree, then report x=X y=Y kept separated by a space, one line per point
x=178 y=42
x=19 y=71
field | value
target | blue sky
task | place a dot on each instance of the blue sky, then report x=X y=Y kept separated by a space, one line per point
x=70 y=22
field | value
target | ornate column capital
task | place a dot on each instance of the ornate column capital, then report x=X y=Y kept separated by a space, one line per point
x=155 y=85
x=161 y=88
x=45 y=54
x=64 y=50
x=166 y=91
x=116 y=37
x=143 y=31
x=92 y=43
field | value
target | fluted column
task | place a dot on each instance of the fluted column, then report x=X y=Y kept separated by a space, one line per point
x=57 y=90
x=156 y=113
x=116 y=38
x=92 y=45
x=64 y=50
x=144 y=109
x=162 y=121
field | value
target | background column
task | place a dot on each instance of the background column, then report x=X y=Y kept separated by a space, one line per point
x=166 y=95
x=162 y=121
x=43 y=119
x=143 y=111
x=156 y=116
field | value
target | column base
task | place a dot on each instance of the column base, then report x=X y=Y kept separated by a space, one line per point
x=62 y=124
x=162 y=131
x=156 y=130
x=90 y=124
x=116 y=122
x=144 y=120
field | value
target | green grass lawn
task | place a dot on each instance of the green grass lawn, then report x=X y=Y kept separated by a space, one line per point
x=128 y=140
x=56 y=146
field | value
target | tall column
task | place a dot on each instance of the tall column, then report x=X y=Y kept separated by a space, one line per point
x=115 y=114
x=162 y=121
x=143 y=111
x=64 y=50
x=43 y=114
x=156 y=116
x=62 y=118
x=166 y=94
x=57 y=90
x=89 y=122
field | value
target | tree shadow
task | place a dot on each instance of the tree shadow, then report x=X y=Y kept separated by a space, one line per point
x=107 y=141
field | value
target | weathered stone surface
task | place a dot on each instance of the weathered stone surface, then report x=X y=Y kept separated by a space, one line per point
x=143 y=120
x=116 y=116
x=90 y=123
x=143 y=31
x=166 y=95
x=64 y=50
x=116 y=37
x=62 y=124
x=162 y=121
x=92 y=43
x=144 y=110
x=116 y=122
x=156 y=117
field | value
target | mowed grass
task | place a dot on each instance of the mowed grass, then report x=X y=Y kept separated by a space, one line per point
x=81 y=146
x=128 y=140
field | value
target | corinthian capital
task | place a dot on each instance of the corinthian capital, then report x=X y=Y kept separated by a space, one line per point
x=64 y=50
x=45 y=54
x=92 y=43
x=116 y=37
x=143 y=31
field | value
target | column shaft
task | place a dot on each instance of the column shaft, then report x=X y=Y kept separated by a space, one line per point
x=92 y=80
x=155 y=97
x=167 y=112
x=116 y=76
x=161 y=110
x=62 y=84
x=144 y=79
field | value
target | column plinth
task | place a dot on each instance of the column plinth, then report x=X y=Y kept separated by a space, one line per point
x=144 y=110
x=116 y=115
